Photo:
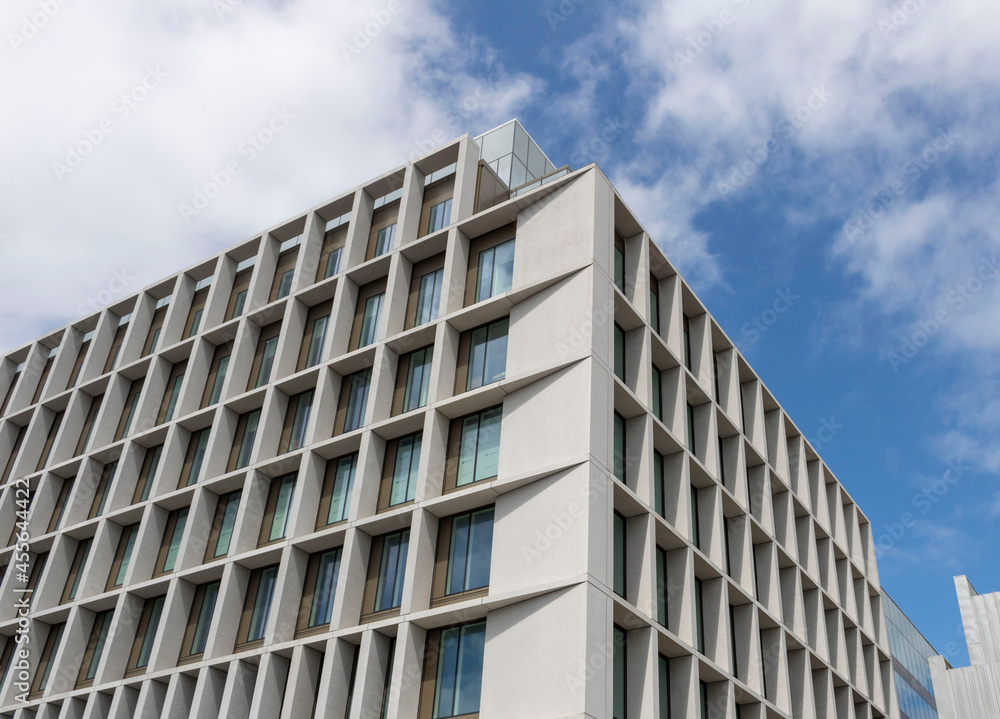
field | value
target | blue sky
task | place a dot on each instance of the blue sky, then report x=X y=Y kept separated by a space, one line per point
x=843 y=153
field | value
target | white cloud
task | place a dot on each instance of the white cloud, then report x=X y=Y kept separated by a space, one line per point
x=416 y=83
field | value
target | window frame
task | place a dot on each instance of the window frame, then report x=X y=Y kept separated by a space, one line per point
x=308 y=602
x=432 y=267
x=194 y=457
x=244 y=440
x=94 y=651
x=219 y=522
x=466 y=379
x=267 y=523
x=145 y=631
x=404 y=376
x=253 y=612
x=237 y=304
x=455 y=446
x=53 y=640
x=478 y=245
x=434 y=659
x=147 y=473
x=208 y=591
x=390 y=465
x=174 y=529
x=172 y=394
x=123 y=556
x=331 y=481
x=298 y=413
x=309 y=354
x=349 y=401
x=375 y=581
x=445 y=555
x=214 y=384
x=268 y=333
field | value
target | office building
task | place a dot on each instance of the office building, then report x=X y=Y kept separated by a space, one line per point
x=458 y=442
x=911 y=654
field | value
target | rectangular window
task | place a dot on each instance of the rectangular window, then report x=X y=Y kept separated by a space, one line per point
x=145 y=635
x=130 y=409
x=496 y=271
x=10 y=389
x=657 y=393
x=399 y=473
x=123 y=555
x=722 y=463
x=387 y=685
x=238 y=297
x=330 y=255
x=44 y=376
x=473 y=448
x=115 y=349
x=386 y=570
x=74 y=374
x=59 y=510
x=14 y=453
x=439 y=216
x=263 y=359
x=316 y=607
x=173 y=393
x=197 y=311
x=279 y=504
x=199 y=622
x=194 y=458
x=699 y=609
x=257 y=607
x=293 y=434
x=619 y=352
x=464 y=553
x=703 y=693
x=483 y=355
x=663 y=666
x=95 y=648
x=217 y=375
x=102 y=490
x=619 y=263
x=243 y=440
x=88 y=424
x=284 y=273
x=620 y=674
x=732 y=641
x=76 y=570
x=654 y=304
x=695 y=519
x=166 y=560
x=353 y=400
x=427 y=302
x=384 y=240
x=221 y=535
x=44 y=668
x=413 y=379
x=453 y=671
x=334 y=503
x=50 y=440
x=35 y=575
x=687 y=342
x=620 y=449
x=690 y=429
x=155 y=328
x=619 y=548
x=144 y=484
x=370 y=320
x=662 y=585
x=314 y=335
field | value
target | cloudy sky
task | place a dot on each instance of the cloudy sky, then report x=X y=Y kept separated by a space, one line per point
x=842 y=153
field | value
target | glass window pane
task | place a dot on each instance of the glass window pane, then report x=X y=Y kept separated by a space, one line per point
x=301 y=420
x=488 y=451
x=285 y=284
x=477 y=358
x=220 y=379
x=175 y=393
x=460 y=670
x=503 y=268
x=619 y=569
x=340 y=496
x=228 y=522
x=201 y=442
x=458 y=558
x=279 y=523
x=418 y=379
x=389 y=593
x=619 y=353
x=467 y=450
x=205 y=618
x=485 y=285
x=496 y=354
x=266 y=361
x=481 y=549
x=619 y=269
x=195 y=323
x=620 y=639
x=404 y=476
x=262 y=604
x=249 y=435
x=619 y=458
x=356 y=400
x=370 y=321
x=95 y=660
x=316 y=341
x=175 y=540
x=326 y=588
x=384 y=240
x=146 y=649
x=127 y=556
x=332 y=263
x=429 y=297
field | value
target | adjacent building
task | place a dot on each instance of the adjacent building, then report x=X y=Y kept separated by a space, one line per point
x=911 y=655
x=460 y=442
x=972 y=692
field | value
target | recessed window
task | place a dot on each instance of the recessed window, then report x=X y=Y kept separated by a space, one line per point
x=657 y=393
x=116 y=346
x=619 y=263
x=95 y=648
x=413 y=379
x=386 y=571
x=194 y=458
x=453 y=671
x=88 y=424
x=277 y=510
x=15 y=452
x=293 y=434
x=145 y=635
x=257 y=607
x=330 y=255
x=399 y=476
x=384 y=239
x=62 y=501
x=473 y=448
x=284 y=272
x=334 y=503
x=166 y=560
x=35 y=575
x=243 y=441
x=130 y=409
x=195 y=314
x=619 y=549
x=620 y=674
x=428 y=297
x=620 y=448
x=123 y=556
x=659 y=487
x=695 y=519
x=316 y=607
x=221 y=536
x=102 y=490
x=663 y=674
x=238 y=297
x=687 y=342
x=50 y=440
x=144 y=483
x=284 y=284
x=263 y=359
x=44 y=668
x=690 y=429
x=699 y=609
x=662 y=586
x=199 y=622
x=619 y=352
x=76 y=570
x=314 y=335
x=173 y=393
x=483 y=354
x=370 y=320
x=439 y=216
x=74 y=374
x=464 y=553
x=496 y=271
x=353 y=400
x=217 y=375
x=155 y=329
x=654 y=304
x=44 y=376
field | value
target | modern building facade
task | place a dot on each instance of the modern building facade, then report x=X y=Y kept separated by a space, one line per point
x=911 y=655
x=438 y=447
x=972 y=692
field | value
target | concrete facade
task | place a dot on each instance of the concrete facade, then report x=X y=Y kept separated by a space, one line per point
x=972 y=692
x=665 y=541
